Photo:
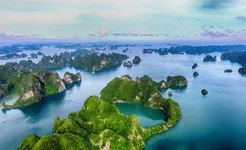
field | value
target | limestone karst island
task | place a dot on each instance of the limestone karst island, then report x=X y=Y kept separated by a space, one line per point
x=122 y=75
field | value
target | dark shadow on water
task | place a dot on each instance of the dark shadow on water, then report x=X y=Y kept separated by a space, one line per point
x=70 y=86
x=55 y=99
x=180 y=89
x=42 y=107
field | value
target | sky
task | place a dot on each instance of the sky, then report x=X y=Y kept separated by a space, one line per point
x=124 y=19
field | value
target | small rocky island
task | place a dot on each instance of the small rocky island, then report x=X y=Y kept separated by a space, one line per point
x=136 y=60
x=148 y=51
x=242 y=70
x=176 y=82
x=204 y=92
x=70 y=78
x=195 y=74
x=235 y=57
x=228 y=71
x=195 y=65
x=100 y=125
x=209 y=58
x=128 y=64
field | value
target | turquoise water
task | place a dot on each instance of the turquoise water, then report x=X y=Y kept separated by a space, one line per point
x=215 y=121
x=147 y=117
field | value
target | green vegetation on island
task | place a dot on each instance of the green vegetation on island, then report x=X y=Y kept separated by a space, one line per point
x=84 y=59
x=10 y=78
x=143 y=90
x=31 y=87
x=95 y=62
x=176 y=82
x=37 y=85
x=100 y=125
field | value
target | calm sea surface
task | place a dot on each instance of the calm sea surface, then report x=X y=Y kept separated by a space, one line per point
x=215 y=121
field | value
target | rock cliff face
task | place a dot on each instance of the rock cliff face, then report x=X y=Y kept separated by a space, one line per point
x=37 y=85
x=70 y=78
x=128 y=64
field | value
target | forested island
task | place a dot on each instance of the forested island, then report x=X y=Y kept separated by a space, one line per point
x=209 y=58
x=100 y=125
x=82 y=59
x=31 y=87
x=173 y=82
x=42 y=83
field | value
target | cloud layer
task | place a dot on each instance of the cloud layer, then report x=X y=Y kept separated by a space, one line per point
x=116 y=19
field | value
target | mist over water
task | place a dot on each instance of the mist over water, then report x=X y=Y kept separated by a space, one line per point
x=215 y=121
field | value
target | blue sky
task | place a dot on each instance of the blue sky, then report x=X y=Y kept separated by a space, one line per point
x=128 y=19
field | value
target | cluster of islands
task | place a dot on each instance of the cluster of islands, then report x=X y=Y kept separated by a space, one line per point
x=99 y=124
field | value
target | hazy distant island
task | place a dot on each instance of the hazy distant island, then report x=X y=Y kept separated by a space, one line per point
x=228 y=71
x=136 y=60
x=100 y=125
x=236 y=57
x=84 y=59
x=209 y=58
x=15 y=48
x=13 y=56
x=242 y=70
x=195 y=50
